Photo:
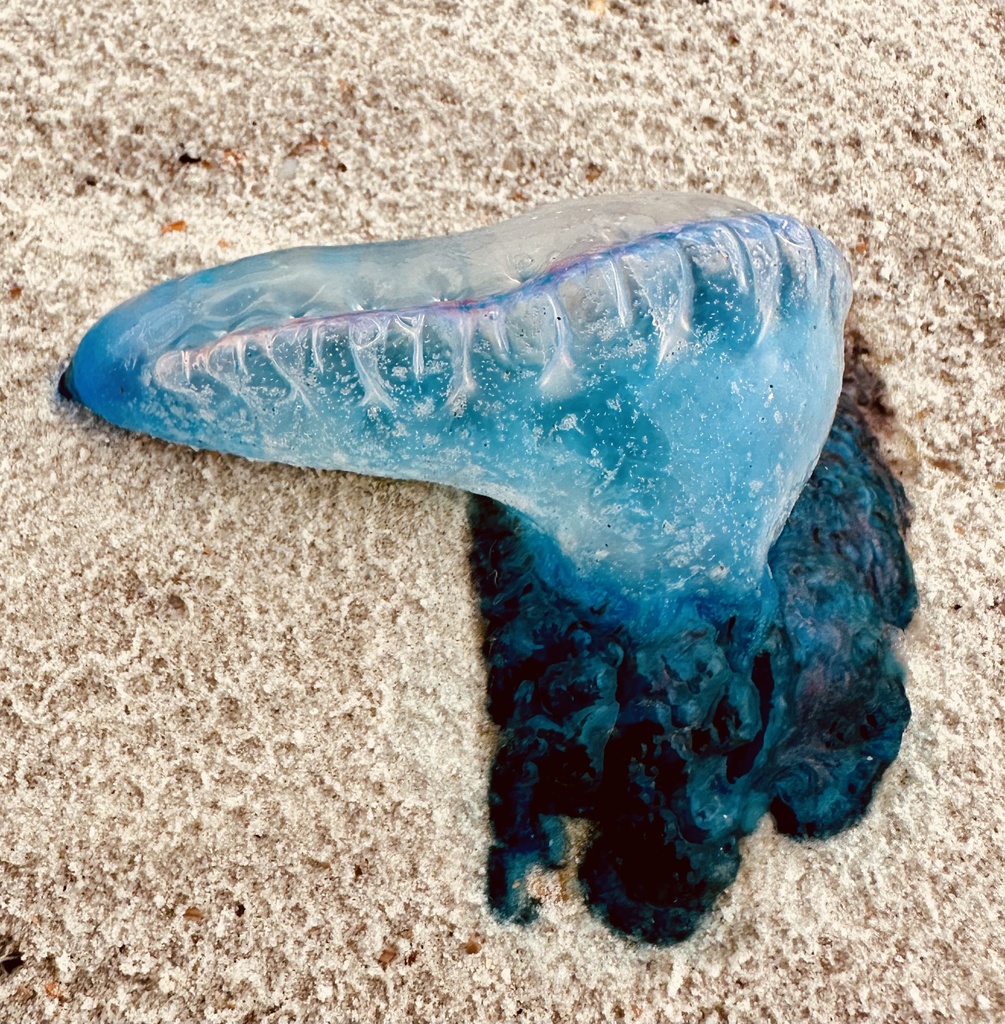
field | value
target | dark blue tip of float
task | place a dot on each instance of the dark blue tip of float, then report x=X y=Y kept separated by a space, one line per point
x=110 y=371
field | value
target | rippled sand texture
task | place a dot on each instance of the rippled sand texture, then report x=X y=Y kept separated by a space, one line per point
x=243 y=730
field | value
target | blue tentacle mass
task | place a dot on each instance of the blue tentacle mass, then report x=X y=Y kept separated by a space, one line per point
x=677 y=744
x=688 y=549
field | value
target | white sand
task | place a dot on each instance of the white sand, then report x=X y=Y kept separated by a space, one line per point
x=242 y=737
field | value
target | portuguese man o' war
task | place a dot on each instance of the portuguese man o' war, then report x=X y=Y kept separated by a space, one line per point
x=688 y=549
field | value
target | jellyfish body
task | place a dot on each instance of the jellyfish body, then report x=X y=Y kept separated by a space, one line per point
x=639 y=389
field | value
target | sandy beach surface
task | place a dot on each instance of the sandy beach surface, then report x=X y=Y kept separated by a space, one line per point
x=243 y=743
